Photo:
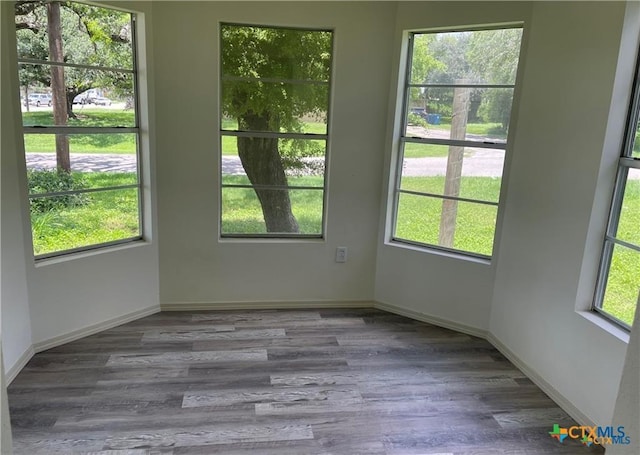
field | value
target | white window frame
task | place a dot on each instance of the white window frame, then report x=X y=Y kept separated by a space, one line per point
x=71 y=130
x=625 y=163
x=403 y=139
x=279 y=135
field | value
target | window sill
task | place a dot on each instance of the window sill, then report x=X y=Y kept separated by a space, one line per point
x=271 y=240
x=72 y=256
x=438 y=252
x=606 y=325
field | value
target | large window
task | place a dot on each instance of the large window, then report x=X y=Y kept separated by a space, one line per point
x=619 y=277
x=77 y=74
x=275 y=86
x=458 y=93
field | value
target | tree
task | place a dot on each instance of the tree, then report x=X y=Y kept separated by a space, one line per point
x=493 y=55
x=72 y=33
x=272 y=78
x=58 y=91
x=91 y=36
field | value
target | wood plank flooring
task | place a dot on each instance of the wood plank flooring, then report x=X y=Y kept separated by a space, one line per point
x=283 y=383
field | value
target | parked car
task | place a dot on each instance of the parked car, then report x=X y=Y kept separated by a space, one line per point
x=39 y=99
x=102 y=101
x=83 y=98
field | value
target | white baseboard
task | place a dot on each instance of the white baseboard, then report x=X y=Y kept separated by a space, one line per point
x=93 y=329
x=19 y=364
x=446 y=323
x=538 y=380
x=266 y=305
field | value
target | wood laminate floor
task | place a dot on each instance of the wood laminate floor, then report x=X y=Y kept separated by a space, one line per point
x=281 y=382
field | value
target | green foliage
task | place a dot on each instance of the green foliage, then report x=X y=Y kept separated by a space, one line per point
x=106 y=216
x=41 y=182
x=256 y=62
x=478 y=57
x=91 y=35
x=415 y=119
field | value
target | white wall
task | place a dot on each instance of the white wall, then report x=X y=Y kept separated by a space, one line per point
x=16 y=323
x=563 y=116
x=195 y=266
x=437 y=286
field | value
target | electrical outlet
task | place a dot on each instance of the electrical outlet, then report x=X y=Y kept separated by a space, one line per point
x=341 y=254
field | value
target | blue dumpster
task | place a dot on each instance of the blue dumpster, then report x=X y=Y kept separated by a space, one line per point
x=433 y=119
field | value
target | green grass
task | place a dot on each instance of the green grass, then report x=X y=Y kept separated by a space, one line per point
x=118 y=143
x=241 y=211
x=414 y=150
x=107 y=216
x=491 y=130
x=419 y=216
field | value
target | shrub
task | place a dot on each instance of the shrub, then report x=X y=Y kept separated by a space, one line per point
x=415 y=119
x=45 y=181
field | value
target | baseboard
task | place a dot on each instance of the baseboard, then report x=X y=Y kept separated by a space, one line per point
x=538 y=380
x=17 y=367
x=95 y=328
x=446 y=323
x=266 y=305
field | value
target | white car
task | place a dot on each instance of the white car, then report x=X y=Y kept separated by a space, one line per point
x=39 y=99
x=102 y=101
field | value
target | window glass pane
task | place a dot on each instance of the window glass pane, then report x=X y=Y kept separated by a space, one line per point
x=477 y=176
x=463 y=226
x=242 y=212
x=299 y=157
x=462 y=113
x=264 y=52
x=623 y=284
x=629 y=223
x=60 y=223
x=283 y=107
x=273 y=80
x=480 y=57
x=95 y=98
x=90 y=35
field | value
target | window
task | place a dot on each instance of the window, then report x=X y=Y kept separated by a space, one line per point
x=77 y=74
x=274 y=130
x=618 y=283
x=457 y=107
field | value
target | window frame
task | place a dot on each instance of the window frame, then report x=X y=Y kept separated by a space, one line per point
x=70 y=131
x=276 y=135
x=626 y=162
x=403 y=139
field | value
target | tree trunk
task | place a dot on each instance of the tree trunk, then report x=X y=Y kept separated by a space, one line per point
x=261 y=160
x=58 y=86
x=454 y=165
x=26 y=97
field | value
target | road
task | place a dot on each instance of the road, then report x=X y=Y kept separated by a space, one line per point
x=478 y=163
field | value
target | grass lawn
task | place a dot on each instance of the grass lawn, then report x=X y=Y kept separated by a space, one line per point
x=120 y=143
x=241 y=211
x=106 y=216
